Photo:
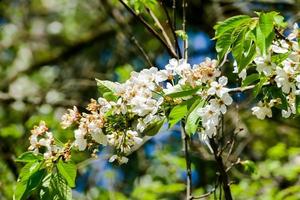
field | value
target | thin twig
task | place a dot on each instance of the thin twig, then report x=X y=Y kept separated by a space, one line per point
x=150 y=29
x=204 y=195
x=161 y=28
x=185 y=41
x=171 y=25
x=115 y=13
x=242 y=89
x=140 y=48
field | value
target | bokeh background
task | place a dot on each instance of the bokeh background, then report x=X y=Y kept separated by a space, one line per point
x=51 y=51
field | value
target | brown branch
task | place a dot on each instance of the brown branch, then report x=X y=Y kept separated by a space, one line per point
x=185 y=146
x=161 y=28
x=204 y=195
x=172 y=27
x=150 y=29
x=222 y=169
x=126 y=29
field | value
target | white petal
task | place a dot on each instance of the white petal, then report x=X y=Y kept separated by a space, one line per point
x=223 y=80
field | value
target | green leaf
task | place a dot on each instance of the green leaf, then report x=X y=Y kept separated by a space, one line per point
x=266 y=23
x=68 y=171
x=192 y=121
x=238 y=47
x=26 y=187
x=107 y=89
x=223 y=44
x=260 y=40
x=246 y=60
x=184 y=93
x=29 y=169
x=109 y=96
x=269 y=40
x=177 y=113
x=55 y=187
x=29 y=157
x=230 y=23
x=258 y=86
x=153 y=128
x=228 y=31
x=29 y=178
x=278 y=58
x=250 y=79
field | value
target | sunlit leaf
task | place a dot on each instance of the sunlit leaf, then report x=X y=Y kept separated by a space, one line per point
x=68 y=170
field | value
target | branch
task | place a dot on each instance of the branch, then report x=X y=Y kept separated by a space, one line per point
x=126 y=29
x=204 y=195
x=222 y=169
x=185 y=41
x=185 y=146
x=165 y=35
x=150 y=29
x=172 y=27
x=242 y=89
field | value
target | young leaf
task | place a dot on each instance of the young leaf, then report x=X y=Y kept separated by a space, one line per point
x=177 y=113
x=106 y=87
x=184 y=93
x=260 y=40
x=56 y=188
x=182 y=34
x=278 y=58
x=258 y=86
x=68 y=171
x=266 y=21
x=230 y=23
x=29 y=157
x=193 y=118
x=250 y=79
x=223 y=43
x=29 y=169
x=28 y=179
x=246 y=60
x=153 y=128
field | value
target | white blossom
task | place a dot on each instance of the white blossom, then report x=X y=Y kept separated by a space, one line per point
x=218 y=87
x=177 y=66
x=80 y=141
x=285 y=77
x=264 y=65
x=262 y=110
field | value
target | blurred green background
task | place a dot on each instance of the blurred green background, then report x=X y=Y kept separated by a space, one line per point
x=52 y=50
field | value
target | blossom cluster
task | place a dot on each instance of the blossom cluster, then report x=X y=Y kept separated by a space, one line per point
x=121 y=120
x=284 y=73
x=42 y=141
